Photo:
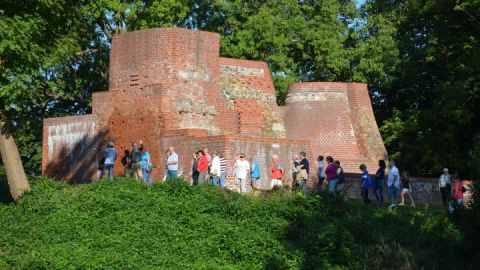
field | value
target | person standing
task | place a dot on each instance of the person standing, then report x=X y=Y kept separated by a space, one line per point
x=379 y=179
x=320 y=172
x=457 y=191
x=242 y=169
x=295 y=172
x=209 y=158
x=331 y=174
x=393 y=182
x=146 y=166
x=406 y=189
x=194 y=170
x=277 y=172
x=202 y=166
x=341 y=179
x=216 y=170
x=126 y=163
x=110 y=154
x=136 y=161
x=172 y=163
x=365 y=183
x=223 y=171
x=304 y=171
x=255 y=174
x=444 y=185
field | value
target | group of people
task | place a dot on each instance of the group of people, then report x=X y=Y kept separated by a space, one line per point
x=394 y=184
x=451 y=188
x=137 y=162
x=213 y=169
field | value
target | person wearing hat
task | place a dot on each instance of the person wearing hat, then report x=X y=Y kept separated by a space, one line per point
x=110 y=154
x=444 y=185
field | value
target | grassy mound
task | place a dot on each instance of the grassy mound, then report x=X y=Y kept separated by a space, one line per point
x=125 y=225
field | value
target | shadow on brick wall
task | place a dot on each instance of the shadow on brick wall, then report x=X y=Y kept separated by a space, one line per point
x=79 y=163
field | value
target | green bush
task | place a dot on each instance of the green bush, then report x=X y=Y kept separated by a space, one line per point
x=125 y=225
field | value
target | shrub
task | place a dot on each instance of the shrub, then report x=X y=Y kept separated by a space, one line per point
x=125 y=224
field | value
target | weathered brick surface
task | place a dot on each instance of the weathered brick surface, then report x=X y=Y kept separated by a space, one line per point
x=169 y=86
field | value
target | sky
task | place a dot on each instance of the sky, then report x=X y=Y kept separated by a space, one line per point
x=360 y=2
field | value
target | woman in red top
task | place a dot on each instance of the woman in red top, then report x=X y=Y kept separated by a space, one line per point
x=457 y=193
x=202 y=167
x=277 y=172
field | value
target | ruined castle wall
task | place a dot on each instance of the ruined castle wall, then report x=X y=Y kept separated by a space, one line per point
x=368 y=135
x=229 y=146
x=69 y=148
x=320 y=112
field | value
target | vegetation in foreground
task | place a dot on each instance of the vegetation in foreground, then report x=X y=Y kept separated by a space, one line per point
x=125 y=225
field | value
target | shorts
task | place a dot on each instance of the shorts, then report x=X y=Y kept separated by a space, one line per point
x=405 y=190
x=276 y=182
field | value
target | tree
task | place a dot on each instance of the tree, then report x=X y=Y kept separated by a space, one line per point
x=430 y=106
x=48 y=56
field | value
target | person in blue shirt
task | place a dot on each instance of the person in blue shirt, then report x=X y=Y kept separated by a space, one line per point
x=110 y=155
x=146 y=166
x=365 y=183
x=255 y=173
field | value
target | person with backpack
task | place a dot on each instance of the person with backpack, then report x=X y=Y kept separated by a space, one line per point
x=341 y=179
x=406 y=189
x=295 y=172
x=365 y=183
x=194 y=166
x=255 y=173
x=136 y=161
x=379 y=179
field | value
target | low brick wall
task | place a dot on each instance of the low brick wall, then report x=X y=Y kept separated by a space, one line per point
x=425 y=190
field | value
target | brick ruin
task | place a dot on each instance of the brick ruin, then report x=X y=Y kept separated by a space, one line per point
x=169 y=86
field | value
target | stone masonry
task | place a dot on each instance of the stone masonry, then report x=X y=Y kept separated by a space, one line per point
x=169 y=86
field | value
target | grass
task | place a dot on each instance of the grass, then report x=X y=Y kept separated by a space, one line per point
x=125 y=225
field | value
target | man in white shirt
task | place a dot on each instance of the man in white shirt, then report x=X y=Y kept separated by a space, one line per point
x=172 y=164
x=393 y=182
x=444 y=185
x=242 y=169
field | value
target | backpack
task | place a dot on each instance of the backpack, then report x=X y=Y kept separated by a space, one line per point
x=256 y=170
x=367 y=183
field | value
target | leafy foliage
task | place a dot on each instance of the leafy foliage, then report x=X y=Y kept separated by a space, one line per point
x=429 y=107
x=124 y=224
x=420 y=59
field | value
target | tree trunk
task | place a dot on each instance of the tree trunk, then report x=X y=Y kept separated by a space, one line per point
x=17 y=180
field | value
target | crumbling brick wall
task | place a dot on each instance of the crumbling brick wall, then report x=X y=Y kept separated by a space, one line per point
x=169 y=86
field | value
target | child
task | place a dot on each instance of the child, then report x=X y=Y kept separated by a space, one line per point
x=365 y=183
x=406 y=189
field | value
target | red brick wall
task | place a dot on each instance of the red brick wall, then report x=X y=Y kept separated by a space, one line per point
x=169 y=86
x=69 y=148
x=332 y=117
